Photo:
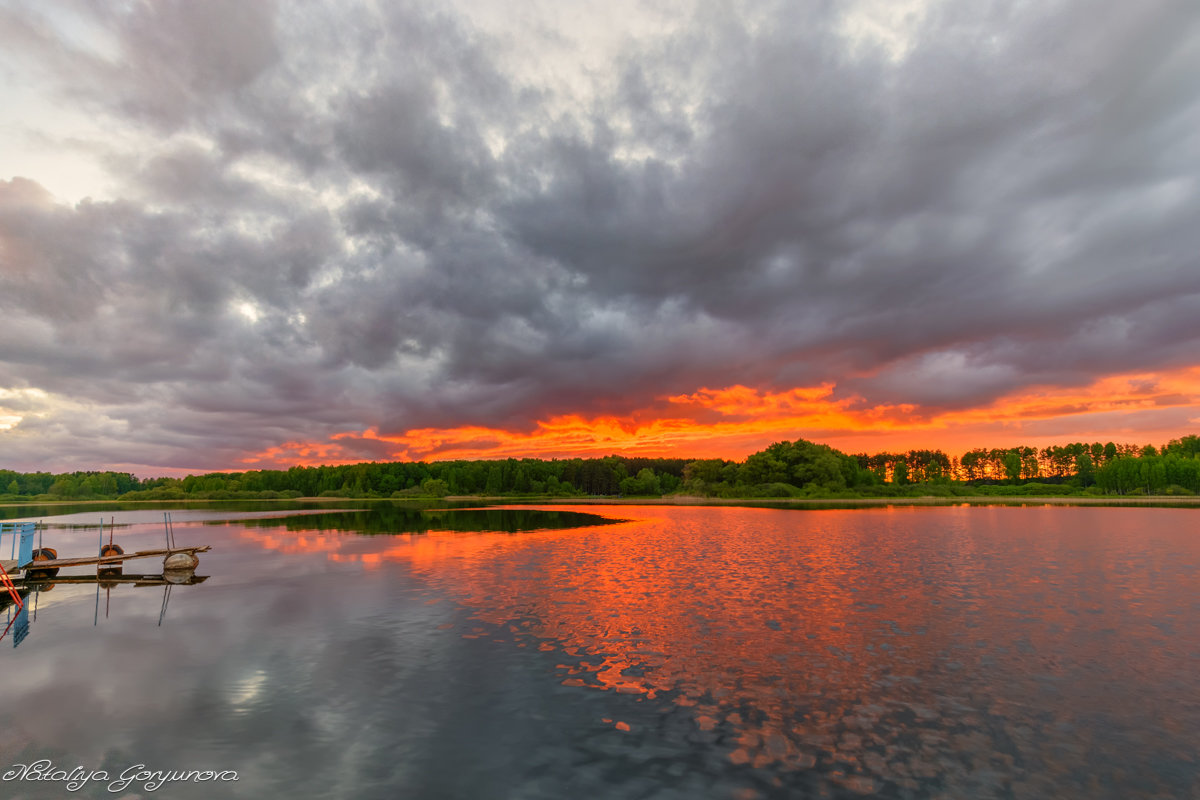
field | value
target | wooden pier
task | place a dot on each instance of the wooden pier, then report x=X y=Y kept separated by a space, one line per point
x=99 y=561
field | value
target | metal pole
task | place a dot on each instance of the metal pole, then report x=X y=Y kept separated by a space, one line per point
x=166 y=599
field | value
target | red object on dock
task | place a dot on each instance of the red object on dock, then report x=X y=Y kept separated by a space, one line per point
x=6 y=582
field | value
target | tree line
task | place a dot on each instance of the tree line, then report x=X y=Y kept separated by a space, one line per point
x=784 y=469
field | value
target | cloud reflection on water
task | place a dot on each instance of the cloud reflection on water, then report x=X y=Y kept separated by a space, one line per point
x=977 y=651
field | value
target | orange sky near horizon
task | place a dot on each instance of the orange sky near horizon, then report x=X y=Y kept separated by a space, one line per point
x=735 y=421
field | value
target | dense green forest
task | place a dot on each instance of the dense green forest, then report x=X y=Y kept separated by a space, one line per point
x=785 y=469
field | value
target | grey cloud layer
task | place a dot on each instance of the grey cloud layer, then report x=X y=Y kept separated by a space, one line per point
x=351 y=216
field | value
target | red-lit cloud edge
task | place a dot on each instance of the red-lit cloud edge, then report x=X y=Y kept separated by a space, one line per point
x=734 y=421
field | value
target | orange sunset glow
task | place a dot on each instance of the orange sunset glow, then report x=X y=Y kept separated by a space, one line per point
x=737 y=420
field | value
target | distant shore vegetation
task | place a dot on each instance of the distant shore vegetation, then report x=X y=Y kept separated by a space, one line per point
x=789 y=469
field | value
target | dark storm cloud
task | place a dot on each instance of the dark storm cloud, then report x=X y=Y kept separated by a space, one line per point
x=359 y=216
x=180 y=60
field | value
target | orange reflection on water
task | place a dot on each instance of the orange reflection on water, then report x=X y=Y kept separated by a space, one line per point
x=293 y=543
x=680 y=601
x=888 y=646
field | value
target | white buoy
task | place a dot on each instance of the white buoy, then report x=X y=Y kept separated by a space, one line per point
x=180 y=562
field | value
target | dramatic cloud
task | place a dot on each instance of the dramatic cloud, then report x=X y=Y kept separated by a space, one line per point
x=381 y=230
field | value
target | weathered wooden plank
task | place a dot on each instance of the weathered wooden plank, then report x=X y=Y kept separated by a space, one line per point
x=136 y=580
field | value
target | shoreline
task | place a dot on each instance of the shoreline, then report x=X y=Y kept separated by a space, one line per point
x=929 y=500
x=683 y=500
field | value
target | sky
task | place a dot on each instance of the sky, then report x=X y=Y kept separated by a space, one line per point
x=240 y=234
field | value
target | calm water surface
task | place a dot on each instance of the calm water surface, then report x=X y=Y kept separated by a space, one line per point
x=680 y=653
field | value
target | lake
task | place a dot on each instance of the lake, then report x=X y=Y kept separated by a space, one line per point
x=621 y=652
